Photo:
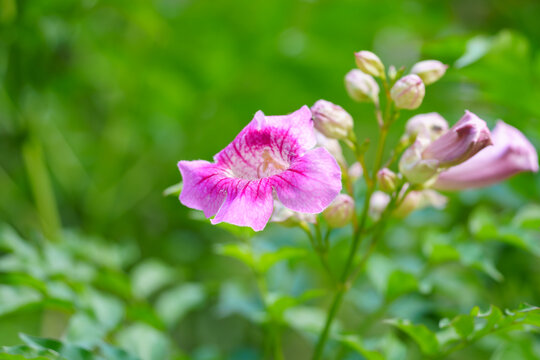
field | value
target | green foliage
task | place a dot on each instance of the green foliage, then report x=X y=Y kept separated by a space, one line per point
x=100 y=99
x=466 y=329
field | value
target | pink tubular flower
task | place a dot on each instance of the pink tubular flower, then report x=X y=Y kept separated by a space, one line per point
x=510 y=154
x=272 y=154
x=421 y=162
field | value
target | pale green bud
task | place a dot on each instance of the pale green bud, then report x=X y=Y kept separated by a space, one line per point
x=369 y=63
x=408 y=92
x=361 y=87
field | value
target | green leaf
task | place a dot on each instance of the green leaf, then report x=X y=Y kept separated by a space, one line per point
x=175 y=189
x=144 y=341
x=150 y=276
x=528 y=217
x=441 y=253
x=426 y=339
x=238 y=251
x=278 y=303
x=464 y=325
x=477 y=47
x=354 y=342
x=400 y=283
x=267 y=260
x=173 y=304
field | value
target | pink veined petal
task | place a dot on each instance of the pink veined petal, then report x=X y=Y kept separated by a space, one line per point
x=204 y=186
x=310 y=184
x=248 y=203
x=299 y=124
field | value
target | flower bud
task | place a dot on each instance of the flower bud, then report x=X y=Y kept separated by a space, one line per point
x=510 y=154
x=340 y=212
x=290 y=218
x=418 y=199
x=369 y=63
x=414 y=167
x=408 y=92
x=421 y=162
x=467 y=137
x=378 y=203
x=333 y=147
x=361 y=87
x=355 y=171
x=331 y=120
x=387 y=180
x=429 y=70
x=431 y=125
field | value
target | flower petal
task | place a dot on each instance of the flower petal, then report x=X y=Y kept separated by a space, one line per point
x=248 y=203
x=204 y=186
x=310 y=184
x=299 y=124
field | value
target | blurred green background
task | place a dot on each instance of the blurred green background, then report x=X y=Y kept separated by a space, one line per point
x=100 y=99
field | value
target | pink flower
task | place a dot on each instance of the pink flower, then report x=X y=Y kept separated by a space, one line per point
x=425 y=159
x=272 y=155
x=510 y=154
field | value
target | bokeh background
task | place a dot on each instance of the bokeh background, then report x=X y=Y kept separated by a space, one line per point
x=100 y=99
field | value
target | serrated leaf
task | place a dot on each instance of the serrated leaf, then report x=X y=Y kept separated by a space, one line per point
x=150 y=276
x=464 y=325
x=426 y=339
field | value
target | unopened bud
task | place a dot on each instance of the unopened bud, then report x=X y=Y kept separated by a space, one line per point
x=408 y=92
x=466 y=138
x=331 y=120
x=361 y=87
x=333 y=147
x=340 y=212
x=429 y=70
x=431 y=125
x=369 y=63
x=414 y=167
x=378 y=203
x=422 y=161
x=355 y=171
x=290 y=218
x=419 y=199
x=387 y=180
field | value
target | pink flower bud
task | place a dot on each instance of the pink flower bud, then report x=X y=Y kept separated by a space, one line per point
x=421 y=162
x=333 y=147
x=355 y=171
x=378 y=203
x=361 y=87
x=331 y=120
x=431 y=125
x=387 y=180
x=429 y=70
x=408 y=92
x=369 y=63
x=510 y=154
x=290 y=218
x=419 y=199
x=414 y=167
x=340 y=211
x=467 y=137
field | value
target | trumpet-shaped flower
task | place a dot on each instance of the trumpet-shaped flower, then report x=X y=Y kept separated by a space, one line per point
x=425 y=158
x=272 y=155
x=510 y=154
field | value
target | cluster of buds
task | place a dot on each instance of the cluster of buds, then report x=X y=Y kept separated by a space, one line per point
x=437 y=157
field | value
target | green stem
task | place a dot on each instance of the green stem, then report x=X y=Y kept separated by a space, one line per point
x=42 y=189
x=344 y=284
